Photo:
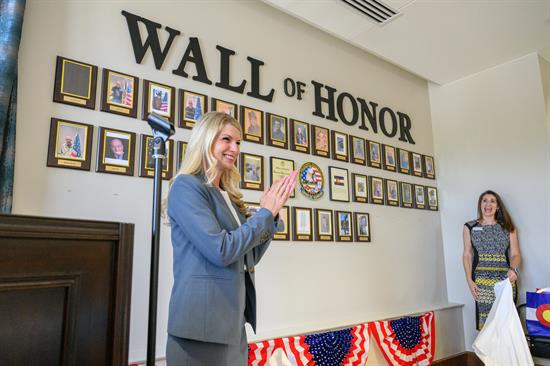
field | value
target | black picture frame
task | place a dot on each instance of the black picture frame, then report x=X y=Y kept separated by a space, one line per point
x=147 y=163
x=416 y=160
x=428 y=166
x=283 y=232
x=360 y=188
x=189 y=114
x=433 y=198
x=374 y=154
x=338 y=184
x=302 y=215
x=392 y=192
x=389 y=158
x=220 y=105
x=277 y=132
x=252 y=123
x=75 y=83
x=406 y=195
x=420 y=197
x=357 y=150
x=160 y=99
x=324 y=228
x=320 y=140
x=377 y=190
x=252 y=207
x=115 y=151
x=343 y=226
x=299 y=136
x=252 y=171
x=362 y=227
x=70 y=144
x=339 y=146
x=404 y=161
x=119 y=93
x=279 y=168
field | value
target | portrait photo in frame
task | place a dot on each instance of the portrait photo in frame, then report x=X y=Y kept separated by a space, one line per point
x=406 y=194
x=417 y=164
x=283 y=226
x=192 y=106
x=340 y=150
x=360 y=188
x=324 y=231
x=362 y=226
x=429 y=167
x=392 y=192
x=252 y=207
x=219 y=105
x=302 y=224
x=147 y=163
x=119 y=93
x=70 y=144
x=419 y=197
x=320 y=140
x=299 y=132
x=280 y=168
x=389 y=158
x=277 y=130
x=116 y=151
x=75 y=83
x=374 y=154
x=343 y=225
x=252 y=171
x=160 y=99
x=339 y=184
x=181 y=147
x=357 y=148
x=377 y=190
x=433 y=201
x=404 y=161
x=252 y=123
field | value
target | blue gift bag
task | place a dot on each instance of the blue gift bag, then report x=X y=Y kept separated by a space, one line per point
x=537 y=315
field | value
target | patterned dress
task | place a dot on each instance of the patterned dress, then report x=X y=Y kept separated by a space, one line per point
x=490 y=265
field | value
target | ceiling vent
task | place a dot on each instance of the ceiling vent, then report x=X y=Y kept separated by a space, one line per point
x=376 y=11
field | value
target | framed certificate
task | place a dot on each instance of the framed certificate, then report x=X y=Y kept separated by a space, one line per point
x=280 y=168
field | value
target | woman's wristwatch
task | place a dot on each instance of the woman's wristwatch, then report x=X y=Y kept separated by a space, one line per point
x=516 y=269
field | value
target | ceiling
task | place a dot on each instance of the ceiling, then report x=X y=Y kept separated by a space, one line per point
x=439 y=40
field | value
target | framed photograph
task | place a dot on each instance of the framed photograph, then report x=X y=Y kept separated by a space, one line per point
x=75 y=83
x=323 y=225
x=219 y=105
x=283 y=227
x=252 y=171
x=433 y=201
x=181 y=146
x=389 y=158
x=404 y=161
x=116 y=151
x=320 y=140
x=299 y=132
x=280 y=168
x=160 y=99
x=374 y=155
x=344 y=226
x=147 y=163
x=302 y=224
x=252 y=207
x=362 y=226
x=119 y=93
x=392 y=192
x=419 y=197
x=70 y=144
x=252 y=122
x=417 y=164
x=339 y=184
x=192 y=106
x=340 y=146
x=277 y=128
x=406 y=194
x=376 y=190
x=360 y=188
x=429 y=167
x=357 y=146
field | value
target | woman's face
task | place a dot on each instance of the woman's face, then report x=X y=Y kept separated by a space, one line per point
x=489 y=205
x=226 y=147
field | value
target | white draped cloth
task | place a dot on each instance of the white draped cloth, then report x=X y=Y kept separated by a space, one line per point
x=502 y=342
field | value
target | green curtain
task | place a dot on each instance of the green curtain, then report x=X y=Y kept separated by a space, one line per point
x=11 y=22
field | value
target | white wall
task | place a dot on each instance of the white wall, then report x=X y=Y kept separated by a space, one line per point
x=302 y=287
x=490 y=132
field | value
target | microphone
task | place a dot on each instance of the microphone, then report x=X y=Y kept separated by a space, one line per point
x=160 y=126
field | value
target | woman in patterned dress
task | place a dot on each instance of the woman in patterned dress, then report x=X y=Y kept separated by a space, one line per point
x=491 y=252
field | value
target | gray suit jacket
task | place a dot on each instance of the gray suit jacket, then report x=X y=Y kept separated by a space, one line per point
x=209 y=247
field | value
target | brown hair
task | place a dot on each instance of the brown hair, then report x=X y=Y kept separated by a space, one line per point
x=501 y=216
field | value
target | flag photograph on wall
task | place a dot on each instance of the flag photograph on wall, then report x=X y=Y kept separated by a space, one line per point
x=192 y=106
x=158 y=98
x=116 y=151
x=119 y=93
x=75 y=83
x=70 y=144
x=339 y=184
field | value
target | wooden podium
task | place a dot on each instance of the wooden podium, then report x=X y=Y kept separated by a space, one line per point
x=65 y=290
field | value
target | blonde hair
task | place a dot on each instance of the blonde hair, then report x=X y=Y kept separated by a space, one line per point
x=199 y=159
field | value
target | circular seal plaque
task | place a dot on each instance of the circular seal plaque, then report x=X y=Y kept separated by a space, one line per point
x=311 y=181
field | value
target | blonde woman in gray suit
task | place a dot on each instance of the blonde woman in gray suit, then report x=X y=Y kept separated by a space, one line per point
x=215 y=248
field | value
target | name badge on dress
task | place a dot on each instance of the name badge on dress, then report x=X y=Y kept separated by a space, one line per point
x=477 y=228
